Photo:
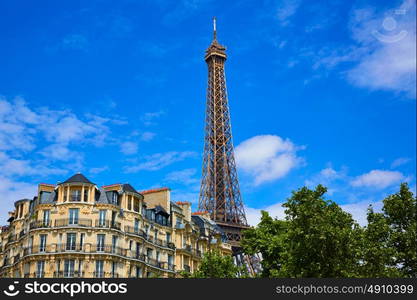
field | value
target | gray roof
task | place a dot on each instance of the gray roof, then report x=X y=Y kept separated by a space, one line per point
x=45 y=198
x=160 y=210
x=103 y=197
x=128 y=188
x=78 y=178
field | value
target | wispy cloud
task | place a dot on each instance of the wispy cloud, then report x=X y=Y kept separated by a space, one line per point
x=378 y=179
x=400 y=161
x=382 y=54
x=150 y=118
x=185 y=177
x=98 y=170
x=267 y=157
x=158 y=161
x=286 y=10
x=129 y=148
x=75 y=42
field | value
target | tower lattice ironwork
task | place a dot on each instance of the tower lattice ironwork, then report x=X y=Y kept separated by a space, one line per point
x=219 y=192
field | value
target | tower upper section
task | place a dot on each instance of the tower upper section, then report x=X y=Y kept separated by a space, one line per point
x=215 y=49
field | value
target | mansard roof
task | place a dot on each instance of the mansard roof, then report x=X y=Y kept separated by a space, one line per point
x=128 y=188
x=78 y=178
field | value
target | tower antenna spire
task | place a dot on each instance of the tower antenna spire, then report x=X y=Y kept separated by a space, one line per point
x=214 y=29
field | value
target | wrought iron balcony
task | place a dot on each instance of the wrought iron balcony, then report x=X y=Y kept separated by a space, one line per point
x=68 y=274
x=108 y=249
x=69 y=247
x=108 y=224
x=73 y=222
x=40 y=224
x=187 y=268
x=137 y=231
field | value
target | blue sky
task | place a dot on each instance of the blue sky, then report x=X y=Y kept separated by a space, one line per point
x=319 y=92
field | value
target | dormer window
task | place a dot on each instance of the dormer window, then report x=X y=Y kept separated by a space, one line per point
x=113 y=197
x=86 y=195
x=75 y=195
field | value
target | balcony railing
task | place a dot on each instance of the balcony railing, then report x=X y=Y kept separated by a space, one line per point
x=108 y=249
x=40 y=224
x=69 y=247
x=68 y=274
x=187 y=268
x=137 y=231
x=73 y=222
x=108 y=224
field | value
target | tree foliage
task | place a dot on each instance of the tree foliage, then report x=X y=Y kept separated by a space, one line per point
x=215 y=265
x=319 y=239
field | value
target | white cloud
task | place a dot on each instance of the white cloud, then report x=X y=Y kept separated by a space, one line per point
x=98 y=170
x=185 y=176
x=75 y=42
x=359 y=210
x=382 y=56
x=286 y=10
x=149 y=118
x=11 y=191
x=267 y=157
x=253 y=215
x=378 y=179
x=158 y=161
x=400 y=161
x=129 y=148
x=147 y=136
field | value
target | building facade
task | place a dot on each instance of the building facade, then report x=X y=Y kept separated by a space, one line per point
x=76 y=229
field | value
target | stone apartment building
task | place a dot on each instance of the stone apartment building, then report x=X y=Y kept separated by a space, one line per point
x=77 y=229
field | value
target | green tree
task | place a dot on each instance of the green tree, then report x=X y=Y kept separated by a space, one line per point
x=317 y=239
x=322 y=239
x=215 y=265
x=400 y=211
x=378 y=256
x=268 y=238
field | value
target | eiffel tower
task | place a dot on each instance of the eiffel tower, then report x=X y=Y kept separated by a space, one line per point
x=219 y=192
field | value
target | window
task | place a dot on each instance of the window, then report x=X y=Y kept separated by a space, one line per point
x=40 y=269
x=168 y=237
x=129 y=203
x=58 y=266
x=44 y=196
x=130 y=244
x=73 y=216
x=82 y=237
x=42 y=243
x=30 y=244
x=157 y=255
x=114 y=269
x=71 y=240
x=136 y=226
x=137 y=250
x=80 y=268
x=149 y=253
x=86 y=195
x=100 y=242
x=99 y=268
x=102 y=218
x=114 y=198
x=136 y=205
x=114 y=243
x=46 y=217
x=69 y=266
x=75 y=195
x=138 y=272
x=170 y=261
